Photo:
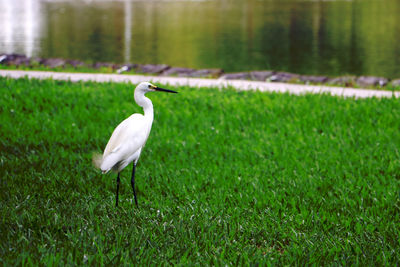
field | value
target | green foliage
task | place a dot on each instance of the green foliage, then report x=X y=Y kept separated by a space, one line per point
x=226 y=177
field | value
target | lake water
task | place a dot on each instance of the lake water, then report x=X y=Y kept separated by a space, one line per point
x=360 y=37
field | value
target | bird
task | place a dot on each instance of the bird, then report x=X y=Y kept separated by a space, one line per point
x=129 y=137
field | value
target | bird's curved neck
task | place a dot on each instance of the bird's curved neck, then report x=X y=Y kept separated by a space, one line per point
x=146 y=104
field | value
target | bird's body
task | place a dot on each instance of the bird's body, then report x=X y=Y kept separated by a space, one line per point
x=129 y=137
x=126 y=143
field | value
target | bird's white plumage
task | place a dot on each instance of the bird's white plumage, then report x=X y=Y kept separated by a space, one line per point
x=126 y=143
x=128 y=139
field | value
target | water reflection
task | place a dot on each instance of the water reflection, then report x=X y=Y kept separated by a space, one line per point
x=22 y=26
x=310 y=37
x=128 y=30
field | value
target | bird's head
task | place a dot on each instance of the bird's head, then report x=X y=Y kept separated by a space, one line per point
x=145 y=87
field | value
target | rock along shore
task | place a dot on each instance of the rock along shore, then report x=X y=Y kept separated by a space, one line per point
x=163 y=70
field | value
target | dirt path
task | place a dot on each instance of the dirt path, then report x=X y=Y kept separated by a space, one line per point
x=195 y=82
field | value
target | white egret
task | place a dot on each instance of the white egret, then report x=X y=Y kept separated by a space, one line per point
x=128 y=139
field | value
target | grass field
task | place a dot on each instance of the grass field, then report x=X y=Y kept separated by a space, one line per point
x=226 y=177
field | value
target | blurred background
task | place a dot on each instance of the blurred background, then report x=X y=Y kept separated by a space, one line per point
x=330 y=37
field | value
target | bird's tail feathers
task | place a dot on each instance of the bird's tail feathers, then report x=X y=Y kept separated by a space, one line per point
x=97 y=160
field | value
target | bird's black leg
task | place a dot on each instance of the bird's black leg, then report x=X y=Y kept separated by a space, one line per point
x=116 y=197
x=133 y=183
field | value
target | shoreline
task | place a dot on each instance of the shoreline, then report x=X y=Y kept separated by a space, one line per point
x=22 y=62
x=294 y=89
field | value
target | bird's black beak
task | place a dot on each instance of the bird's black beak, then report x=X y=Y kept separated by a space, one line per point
x=164 y=90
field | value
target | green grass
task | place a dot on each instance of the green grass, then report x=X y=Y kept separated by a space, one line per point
x=226 y=177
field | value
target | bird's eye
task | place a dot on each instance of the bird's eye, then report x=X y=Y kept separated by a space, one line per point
x=149 y=86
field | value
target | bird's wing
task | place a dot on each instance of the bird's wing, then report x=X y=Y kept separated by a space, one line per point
x=129 y=136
